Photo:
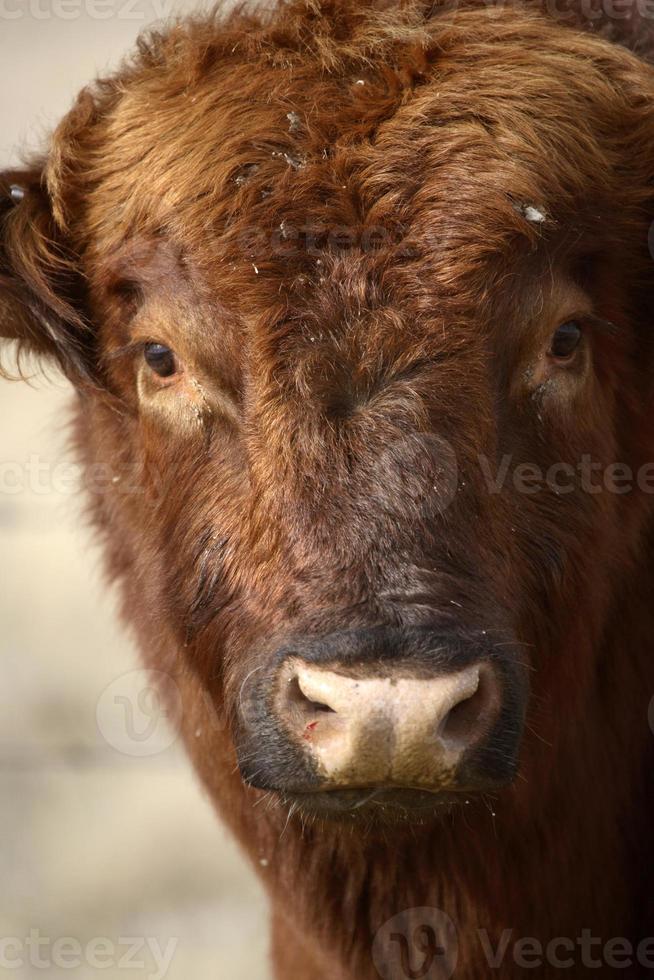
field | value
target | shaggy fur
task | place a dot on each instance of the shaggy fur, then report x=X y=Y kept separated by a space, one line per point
x=358 y=227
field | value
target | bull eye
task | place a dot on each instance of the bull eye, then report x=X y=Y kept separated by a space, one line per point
x=161 y=360
x=565 y=340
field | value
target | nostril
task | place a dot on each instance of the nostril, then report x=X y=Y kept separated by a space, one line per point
x=305 y=711
x=467 y=720
x=301 y=701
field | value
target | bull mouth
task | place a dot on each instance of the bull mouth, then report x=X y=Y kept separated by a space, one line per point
x=381 y=805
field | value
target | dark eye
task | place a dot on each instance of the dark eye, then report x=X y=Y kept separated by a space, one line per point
x=161 y=359
x=566 y=340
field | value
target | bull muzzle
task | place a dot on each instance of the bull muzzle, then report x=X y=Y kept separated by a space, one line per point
x=385 y=714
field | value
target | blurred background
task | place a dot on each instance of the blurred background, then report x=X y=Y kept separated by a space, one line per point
x=112 y=862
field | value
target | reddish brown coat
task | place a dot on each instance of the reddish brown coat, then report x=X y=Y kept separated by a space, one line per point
x=324 y=212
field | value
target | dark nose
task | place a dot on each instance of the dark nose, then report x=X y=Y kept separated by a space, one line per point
x=387 y=728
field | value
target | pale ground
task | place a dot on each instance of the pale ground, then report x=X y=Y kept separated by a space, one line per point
x=97 y=837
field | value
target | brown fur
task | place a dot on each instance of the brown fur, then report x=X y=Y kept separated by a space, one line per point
x=282 y=486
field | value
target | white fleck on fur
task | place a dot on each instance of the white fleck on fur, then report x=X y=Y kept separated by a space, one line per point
x=295 y=123
x=531 y=213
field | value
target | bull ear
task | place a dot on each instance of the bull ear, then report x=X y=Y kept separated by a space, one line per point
x=41 y=291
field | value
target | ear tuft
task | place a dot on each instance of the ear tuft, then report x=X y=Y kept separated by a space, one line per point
x=41 y=288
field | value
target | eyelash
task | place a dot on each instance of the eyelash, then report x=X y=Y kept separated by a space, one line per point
x=134 y=349
x=583 y=321
x=128 y=350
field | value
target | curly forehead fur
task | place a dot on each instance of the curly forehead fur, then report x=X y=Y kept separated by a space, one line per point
x=322 y=114
x=238 y=135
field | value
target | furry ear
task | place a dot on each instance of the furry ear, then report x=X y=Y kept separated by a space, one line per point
x=41 y=288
